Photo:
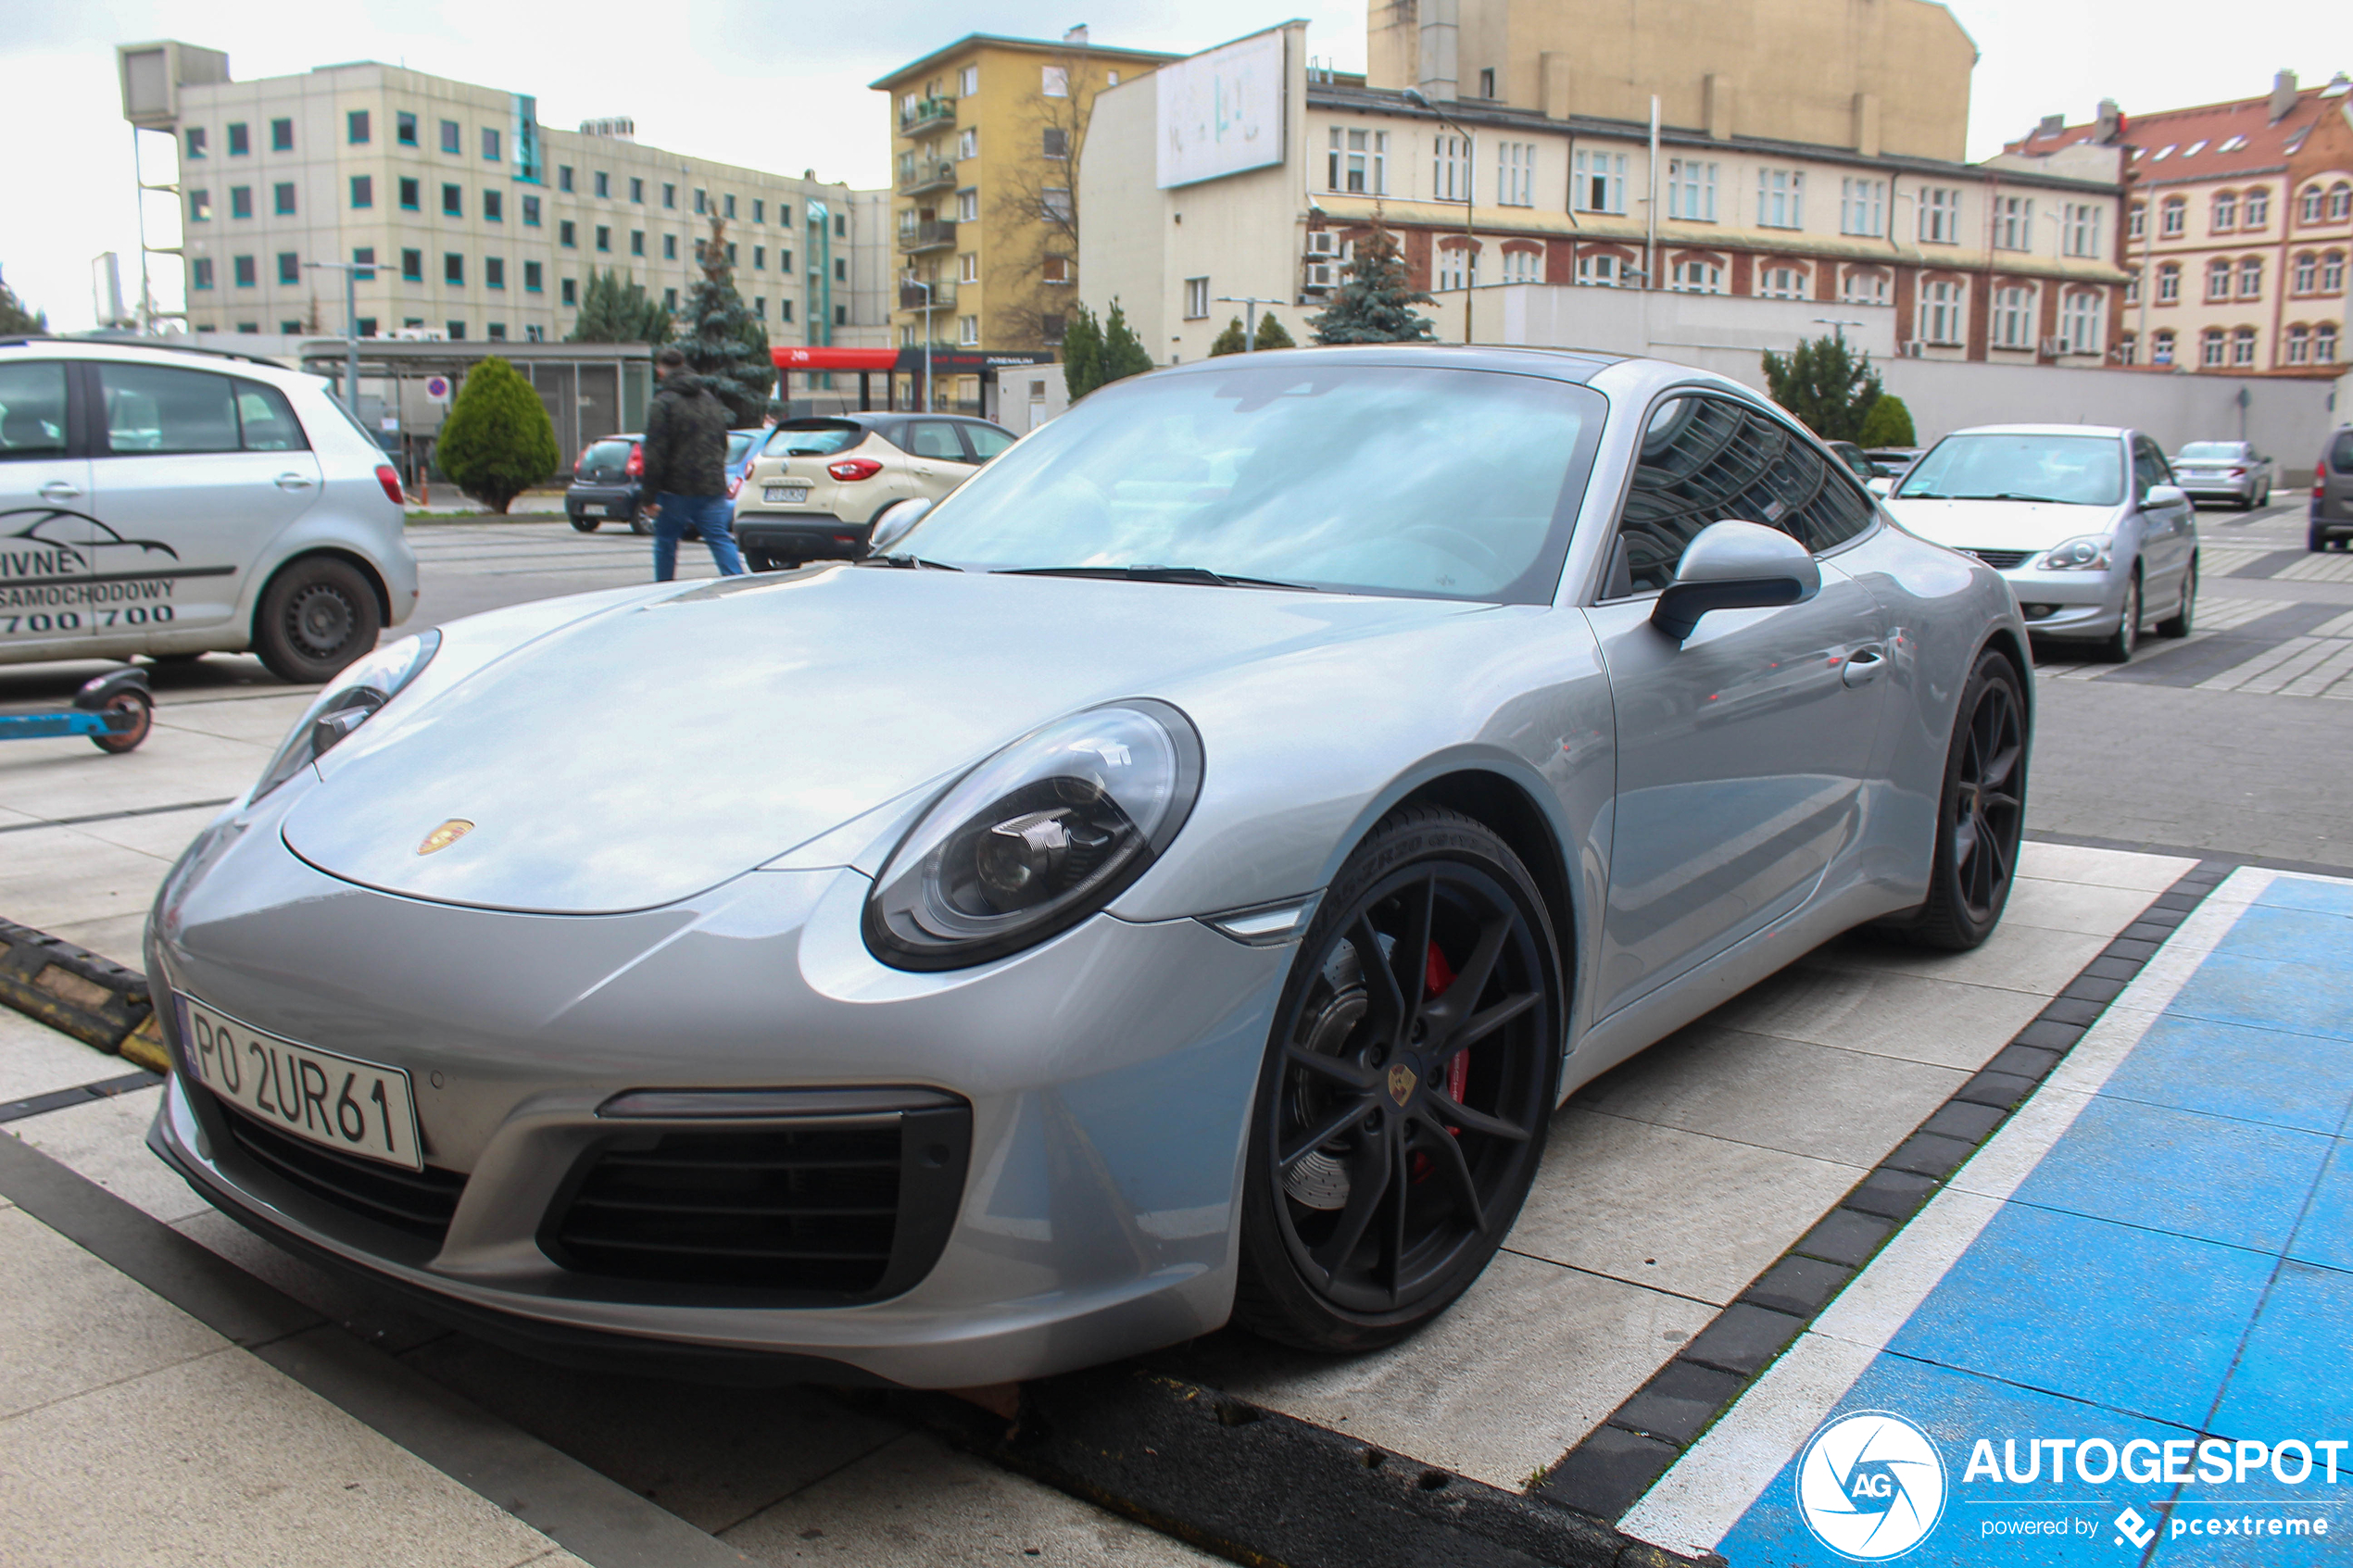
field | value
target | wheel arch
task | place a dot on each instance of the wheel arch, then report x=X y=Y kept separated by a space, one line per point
x=1504 y=805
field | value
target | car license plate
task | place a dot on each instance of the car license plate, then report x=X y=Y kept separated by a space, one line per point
x=595 y=511
x=353 y=1105
x=786 y=495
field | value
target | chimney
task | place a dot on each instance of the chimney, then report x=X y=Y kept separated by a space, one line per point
x=2052 y=125
x=2283 y=96
x=1440 y=76
x=2110 y=123
x=1076 y=35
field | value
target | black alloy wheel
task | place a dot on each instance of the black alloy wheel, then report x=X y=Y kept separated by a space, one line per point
x=2120 y=648
x=317 y=615
x=1402 y=1107
x=1984 y=812
x=2178 y=624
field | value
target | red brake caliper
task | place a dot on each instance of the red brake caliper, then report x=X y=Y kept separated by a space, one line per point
x=1437 y=974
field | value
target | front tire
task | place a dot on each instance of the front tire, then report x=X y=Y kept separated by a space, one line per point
x=2178 y=624
x=1982 y=812
x=317 y=615
x=1403 y=1105
x=2119 y=648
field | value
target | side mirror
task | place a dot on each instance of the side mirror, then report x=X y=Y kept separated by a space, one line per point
x=2165 y=495
x=1735 y=564
x=897 y=523
x=1882 y=486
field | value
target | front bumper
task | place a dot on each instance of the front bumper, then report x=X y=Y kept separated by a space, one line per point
x=1110 y=1074
x=2069 y=604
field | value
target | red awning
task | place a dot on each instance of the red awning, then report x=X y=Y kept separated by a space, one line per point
x=789 y=358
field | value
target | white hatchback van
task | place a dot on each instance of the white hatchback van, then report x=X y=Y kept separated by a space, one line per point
x=173 y=502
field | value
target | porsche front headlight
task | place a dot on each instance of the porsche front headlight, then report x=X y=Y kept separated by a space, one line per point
x=1036 y=838
x=349 y=700
x=2090 y=553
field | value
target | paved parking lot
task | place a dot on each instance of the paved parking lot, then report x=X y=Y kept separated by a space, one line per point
x=1671 y=1185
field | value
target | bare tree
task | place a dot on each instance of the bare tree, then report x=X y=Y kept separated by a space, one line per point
x=1033 y=272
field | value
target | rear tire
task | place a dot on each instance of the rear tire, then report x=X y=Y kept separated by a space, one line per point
x=317 y=615
x=641 y=525
x=2178 y=624
x=2119 y=648
x=585 y=523
x=1402 y=1104
x=1981 y=813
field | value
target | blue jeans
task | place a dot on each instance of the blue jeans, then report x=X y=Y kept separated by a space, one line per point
x=714 y=516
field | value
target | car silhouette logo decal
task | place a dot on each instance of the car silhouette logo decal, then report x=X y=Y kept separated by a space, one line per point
x=1401 y=1084
x=445 y=835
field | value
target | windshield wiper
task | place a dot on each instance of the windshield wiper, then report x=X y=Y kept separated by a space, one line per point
x=908 y=563
x=2014 y=495
x=1156 y=574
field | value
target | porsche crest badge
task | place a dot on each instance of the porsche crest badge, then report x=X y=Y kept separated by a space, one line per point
x=1401 y=1084
x=445 y=835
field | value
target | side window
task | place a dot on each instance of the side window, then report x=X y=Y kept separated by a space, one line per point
x=32 y=410
x=1708 y=459
x=2148 y=466
x=152 y=408
x=935 y=438
x=986 y=441
x=268 y=419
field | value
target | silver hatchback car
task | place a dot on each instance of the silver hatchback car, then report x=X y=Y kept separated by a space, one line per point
x=172 y=502
x=1265 y=807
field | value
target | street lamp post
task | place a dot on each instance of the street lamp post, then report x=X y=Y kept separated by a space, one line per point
x=920 y=283
x=1470 y=195
x=1838 y=328
x=1249 y=324
x=352 y=272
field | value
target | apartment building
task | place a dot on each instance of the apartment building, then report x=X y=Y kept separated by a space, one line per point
x=477 y=221
x=2013 y=260
x=986 y=134
x=2238 y=229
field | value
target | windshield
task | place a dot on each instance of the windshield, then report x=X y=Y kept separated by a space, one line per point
x=2210 y=451
x=1379 y=479
x=812 y=439
x=2077 y=471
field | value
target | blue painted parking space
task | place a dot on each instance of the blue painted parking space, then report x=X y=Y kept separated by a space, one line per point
x=2124 y=1332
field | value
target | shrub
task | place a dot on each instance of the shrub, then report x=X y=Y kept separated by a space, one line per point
x=497 y=441
x=1888 y=424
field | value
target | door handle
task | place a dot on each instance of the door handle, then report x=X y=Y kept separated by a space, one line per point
x=60 y=490
x=1863 y=666
x=292 y=482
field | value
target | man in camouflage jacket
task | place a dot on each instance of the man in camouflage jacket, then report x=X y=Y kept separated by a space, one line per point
x=686 y=469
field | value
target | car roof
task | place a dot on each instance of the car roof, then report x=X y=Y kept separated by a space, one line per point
x=1578 y=365
x=2112 y=431
x=146 y=352
x=877 y=416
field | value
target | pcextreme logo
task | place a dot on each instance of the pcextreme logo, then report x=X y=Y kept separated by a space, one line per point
x=1870 y=1486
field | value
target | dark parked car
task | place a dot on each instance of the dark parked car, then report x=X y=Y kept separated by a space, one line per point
x=605 y=481
x=2331 y=521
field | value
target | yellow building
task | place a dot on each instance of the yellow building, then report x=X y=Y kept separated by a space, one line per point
x=986 y=134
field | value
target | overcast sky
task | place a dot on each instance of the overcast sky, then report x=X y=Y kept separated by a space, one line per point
x=783 y=87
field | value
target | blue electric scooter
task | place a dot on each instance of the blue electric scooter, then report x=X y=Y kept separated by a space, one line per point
x=115 y=711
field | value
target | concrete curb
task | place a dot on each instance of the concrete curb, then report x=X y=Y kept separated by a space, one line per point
x=76 y=992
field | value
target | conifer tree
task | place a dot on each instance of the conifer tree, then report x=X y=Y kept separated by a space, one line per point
x=1271 y=334
x=15 y=317
x=1828 y=386
x=1124 y=353
x=1229 y=341
x=1082 y=353
x=614 y=310
x=724 y=342
x=1372 y=305
x=497 y=441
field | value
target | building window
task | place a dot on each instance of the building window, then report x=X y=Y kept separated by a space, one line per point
x=2173 y=215
x=568 y=291
x=1522 y=267
x=968 y=80
x=2308 y=272
x=2243 y=346
x=702 y=202
x=2226 y=211
x=567 y=234
x=1450 y=171
x=670 y=196
x=968 y=266
x=1782 y=282
x=2080 y=322
x=493 y=206
x=563 y=177
x=1603 y=271
x=2218 y=277
x=196 y=140
x=2168 y=282
x=1780 y=198
x=410 y=193
x=603 y=183
x=1940 y=313
x=289 y=329
x=453 y=270
x=1940 y=216
x=281 y=135
x=637 y=242
x=2132 y=289
x=282 y=198
x=355 y=128
x=2324 y=344
x=531 y=212
x=670 y=247
x=404 y=128
x=670 y=300
x=2013 y=223
x=759 y=210
x=2307 y=208
x=968 y=206
x=1196 y=299
x=241 y=201
x=841 y=270
x=784 y=311
x=1514 y=174
x=489 y=144
x=2258 y=212
x=2128 y=350
x=784 y=260
x=533 y=278
x=200 y=207
x=968 y=331
x=1457 y=267
x=494 y=272
x=452 y=137
x=2333 y=272
x=2013 y=325
x=454 y=331
x=1862 y=207
x=363 y=191
x=1053 y=142
x=1690 y=189
x=841 y=225
x=2137 y=221
x=2251 y=278
x=604 y=237
x=1054 y=82
x=200 y=272
x=453 y=201
x=759 y=252
x=841 y=316
x=1861 y=287
x=1357 y=161
x=240 y=140
x=289 y=266
x=2212 y=346
x=760 y=306
x=1696 y=277
x=1487 y=82
x=413 y=266
x=2161 y=347
x=2299 y=343
x=637 y=190
x=1599 y=182
x=242 y=269
x=2083 y=229
x=730 y=253
x=968 y=142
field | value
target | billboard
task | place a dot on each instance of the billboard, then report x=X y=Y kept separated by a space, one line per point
x=1222 y=112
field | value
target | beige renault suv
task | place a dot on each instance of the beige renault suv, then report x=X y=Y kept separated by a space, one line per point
x=820 y=485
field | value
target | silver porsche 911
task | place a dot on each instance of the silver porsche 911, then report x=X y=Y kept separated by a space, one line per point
x=1171 y=884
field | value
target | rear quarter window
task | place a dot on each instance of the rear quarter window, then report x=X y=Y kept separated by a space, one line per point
x=2341 y=452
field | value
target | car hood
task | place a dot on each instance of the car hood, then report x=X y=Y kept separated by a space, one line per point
x=1999 y=525
x=642 y=755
